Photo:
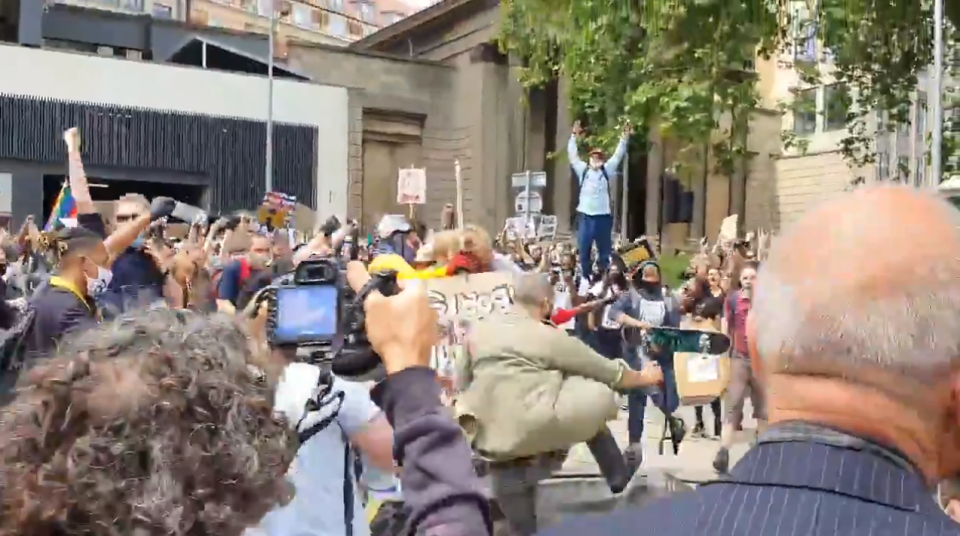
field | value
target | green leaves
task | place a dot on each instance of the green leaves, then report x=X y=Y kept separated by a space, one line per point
x=682 y=65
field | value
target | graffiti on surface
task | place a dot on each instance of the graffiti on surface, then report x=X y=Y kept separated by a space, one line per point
x=458 y=301
x=471 y=296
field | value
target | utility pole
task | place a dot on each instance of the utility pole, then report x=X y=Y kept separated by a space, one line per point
x=271 y=45
x=936 y=99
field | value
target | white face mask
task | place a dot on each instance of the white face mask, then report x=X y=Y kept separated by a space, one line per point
x=96 y=285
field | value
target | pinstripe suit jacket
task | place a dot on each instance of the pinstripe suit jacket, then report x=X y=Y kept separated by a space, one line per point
x=790 y=487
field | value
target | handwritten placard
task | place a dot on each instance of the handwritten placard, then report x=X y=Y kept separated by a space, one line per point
x=460 y=300
x=547 y=230
x=412 y=186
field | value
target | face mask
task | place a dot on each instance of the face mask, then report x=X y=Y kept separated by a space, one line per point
x=96 y=285
x=649 y=285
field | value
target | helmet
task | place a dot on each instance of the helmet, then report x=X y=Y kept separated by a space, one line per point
x=391 y=224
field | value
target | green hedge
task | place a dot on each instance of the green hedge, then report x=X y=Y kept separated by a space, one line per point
x=672 y=268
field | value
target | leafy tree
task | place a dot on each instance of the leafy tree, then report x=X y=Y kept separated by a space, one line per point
x=680 y=65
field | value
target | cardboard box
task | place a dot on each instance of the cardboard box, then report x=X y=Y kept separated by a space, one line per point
x=701 y=378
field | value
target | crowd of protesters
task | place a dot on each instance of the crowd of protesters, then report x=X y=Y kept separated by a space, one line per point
x=148 y=399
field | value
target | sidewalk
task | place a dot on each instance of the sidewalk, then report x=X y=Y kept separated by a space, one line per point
x=692 y=464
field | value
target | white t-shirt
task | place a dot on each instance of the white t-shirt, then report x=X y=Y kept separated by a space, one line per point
x=605 y=322
x=563 y=299
x=318 y=469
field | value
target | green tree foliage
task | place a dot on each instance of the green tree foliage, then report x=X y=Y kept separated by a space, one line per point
x=680 y=63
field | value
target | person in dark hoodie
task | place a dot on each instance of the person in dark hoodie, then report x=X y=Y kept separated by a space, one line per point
x=647 y=306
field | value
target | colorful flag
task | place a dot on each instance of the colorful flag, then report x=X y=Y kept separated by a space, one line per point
x=64 y=207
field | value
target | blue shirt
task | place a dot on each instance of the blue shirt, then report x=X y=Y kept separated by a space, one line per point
x=136 y=282
x=594 y=187
x=231 y=282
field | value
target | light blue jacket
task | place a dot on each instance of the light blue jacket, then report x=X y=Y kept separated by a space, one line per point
x=594 y=188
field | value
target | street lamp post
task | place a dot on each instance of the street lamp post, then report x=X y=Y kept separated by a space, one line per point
x=271 y=44
x=936 y=99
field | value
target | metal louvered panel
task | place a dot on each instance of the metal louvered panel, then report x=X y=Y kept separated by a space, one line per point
x=228 y=151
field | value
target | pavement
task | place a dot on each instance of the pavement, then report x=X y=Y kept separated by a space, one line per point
x=694 y=462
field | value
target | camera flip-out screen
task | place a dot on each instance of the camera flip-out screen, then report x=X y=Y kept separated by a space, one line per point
x=306 y=314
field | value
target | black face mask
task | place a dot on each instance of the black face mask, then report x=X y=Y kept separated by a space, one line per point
x=648 y=285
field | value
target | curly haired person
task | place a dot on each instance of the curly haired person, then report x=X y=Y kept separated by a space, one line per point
x=152 y=424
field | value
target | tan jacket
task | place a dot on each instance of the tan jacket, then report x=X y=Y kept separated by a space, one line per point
x=528 y=388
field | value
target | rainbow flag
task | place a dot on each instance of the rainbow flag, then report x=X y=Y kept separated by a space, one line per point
x=64 y=207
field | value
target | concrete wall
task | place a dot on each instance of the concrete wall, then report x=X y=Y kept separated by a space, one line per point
x=407 y=103
x=804 y=181
x=469 y=109
x=78 y=77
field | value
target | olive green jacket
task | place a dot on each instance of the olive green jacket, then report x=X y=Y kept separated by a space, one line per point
x=527 y=388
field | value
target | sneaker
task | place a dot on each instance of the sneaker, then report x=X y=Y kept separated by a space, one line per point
x=722 y=462
x=633 y=455
x=700 y=430
x=678 y=430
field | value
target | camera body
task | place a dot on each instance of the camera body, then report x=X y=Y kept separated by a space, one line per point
x=315 y=310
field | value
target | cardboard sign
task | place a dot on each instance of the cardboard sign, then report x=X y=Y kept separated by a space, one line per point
x=701 y=378
x=547 y=230
x=458 y=301
x=412 y=186
x=520 y=227
x=636 y=253
x=276 y=211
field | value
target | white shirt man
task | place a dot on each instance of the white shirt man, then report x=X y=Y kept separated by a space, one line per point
x=326 y=459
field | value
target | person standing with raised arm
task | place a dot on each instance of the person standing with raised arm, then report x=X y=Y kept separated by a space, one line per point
x=594 y=208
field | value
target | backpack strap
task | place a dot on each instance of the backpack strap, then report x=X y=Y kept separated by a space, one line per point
x=603 y=171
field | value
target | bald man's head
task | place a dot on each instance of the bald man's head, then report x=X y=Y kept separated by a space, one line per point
x=869 y=280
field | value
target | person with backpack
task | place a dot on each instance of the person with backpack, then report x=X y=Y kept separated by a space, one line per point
x=594 y=215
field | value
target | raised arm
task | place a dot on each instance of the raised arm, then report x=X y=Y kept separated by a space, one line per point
x=612 y=166
x=78 y=179
x=573 y=153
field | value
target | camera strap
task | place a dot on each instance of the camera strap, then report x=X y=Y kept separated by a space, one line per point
x=322 y=399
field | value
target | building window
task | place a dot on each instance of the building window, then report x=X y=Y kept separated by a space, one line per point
x=368 y=12
x=338 y=25
x=921 y=124
x=335 y=5
x=304 y=16
x=903 y=169
x=883 y=166
x=215 y=22
x=881 y=122
x=392 y=17
x=162 y=11
x=805 y=112
x=836 y=102
x=132 y=5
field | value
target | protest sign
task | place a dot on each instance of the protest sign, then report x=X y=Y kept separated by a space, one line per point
x=520 y=227
x=411 y=186
x=528 y=189
x=547 y=229
x=276 y=211
x=460 y=300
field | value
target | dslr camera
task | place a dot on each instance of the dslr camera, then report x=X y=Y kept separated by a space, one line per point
x=315 y=310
